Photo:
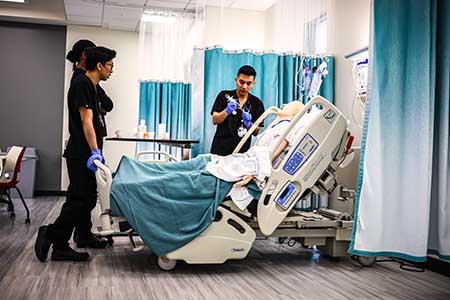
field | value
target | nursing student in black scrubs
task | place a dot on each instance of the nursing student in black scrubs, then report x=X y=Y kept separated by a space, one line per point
x=234 y=113
x=83 y=148
x=82 y=235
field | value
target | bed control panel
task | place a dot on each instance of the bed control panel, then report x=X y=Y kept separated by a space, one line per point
x=287 y=195
x=304 y=150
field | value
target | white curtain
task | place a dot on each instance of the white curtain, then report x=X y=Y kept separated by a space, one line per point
x=304 y=26
x=166 y=48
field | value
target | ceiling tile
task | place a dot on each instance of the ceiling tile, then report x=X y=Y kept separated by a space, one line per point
x=259 y=5
x=121 y=13
x=225 y=3
x=174 y=4
x=84 y=10
x=121 y=18
x=128 y=2
x=83 y=20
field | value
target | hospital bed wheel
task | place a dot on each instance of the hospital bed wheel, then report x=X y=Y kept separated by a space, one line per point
x=27 y=221
x=281 y=240
x=110 y=240
x=166 y=264
x=367 y=261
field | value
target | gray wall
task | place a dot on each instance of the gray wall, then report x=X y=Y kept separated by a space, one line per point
x=32 y=94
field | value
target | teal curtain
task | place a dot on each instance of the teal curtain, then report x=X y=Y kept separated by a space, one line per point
x=168 y=103
x=305 y=63
x=403 y=203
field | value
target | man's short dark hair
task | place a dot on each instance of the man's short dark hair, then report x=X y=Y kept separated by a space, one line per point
x=247 y=70
x=95 y=55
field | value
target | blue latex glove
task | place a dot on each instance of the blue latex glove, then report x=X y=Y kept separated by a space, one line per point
x=247 y=119
x=231 y=106
x=95 y=155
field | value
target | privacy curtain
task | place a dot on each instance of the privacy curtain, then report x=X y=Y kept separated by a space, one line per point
x=403 y=205
x=165 y=51
x=168 y=103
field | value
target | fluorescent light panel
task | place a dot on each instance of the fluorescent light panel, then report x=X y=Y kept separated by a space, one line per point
x=16 y=1
x=159 y=17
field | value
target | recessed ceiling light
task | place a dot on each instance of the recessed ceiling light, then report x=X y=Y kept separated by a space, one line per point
x=16 y=1
x=159 y=17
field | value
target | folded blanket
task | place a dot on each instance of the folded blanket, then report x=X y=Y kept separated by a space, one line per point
x=168 y=205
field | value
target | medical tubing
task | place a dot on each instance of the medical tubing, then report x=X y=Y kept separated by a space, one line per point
x=356 y=97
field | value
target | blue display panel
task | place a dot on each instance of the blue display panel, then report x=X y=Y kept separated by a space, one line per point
x=304 y=150
x=287 y=196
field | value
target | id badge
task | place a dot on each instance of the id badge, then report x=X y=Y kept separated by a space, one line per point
x=241 y=131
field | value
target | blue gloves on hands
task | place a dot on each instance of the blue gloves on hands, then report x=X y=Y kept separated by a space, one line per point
x=95 y=155
x=247 y=119
x=231 y=106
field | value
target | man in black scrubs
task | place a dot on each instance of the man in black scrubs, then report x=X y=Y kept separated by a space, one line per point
x=83 y=148
x=82 y=235
x=234 y=113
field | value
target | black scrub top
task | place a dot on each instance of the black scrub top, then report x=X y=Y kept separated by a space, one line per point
x=82 y=93
x=105 y=102
x=226 y=138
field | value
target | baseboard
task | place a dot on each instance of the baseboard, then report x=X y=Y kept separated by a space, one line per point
x=438 y=266
x=50 y=193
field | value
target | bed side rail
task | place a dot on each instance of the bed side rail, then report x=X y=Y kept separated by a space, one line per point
x=104 y=180
x=304 y=163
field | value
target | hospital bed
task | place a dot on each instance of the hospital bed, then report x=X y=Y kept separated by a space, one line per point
x=308 y=168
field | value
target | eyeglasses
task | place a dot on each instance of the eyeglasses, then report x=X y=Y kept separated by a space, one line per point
x=111 y=65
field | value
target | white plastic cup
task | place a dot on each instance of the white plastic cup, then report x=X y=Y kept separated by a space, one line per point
x=161 y=130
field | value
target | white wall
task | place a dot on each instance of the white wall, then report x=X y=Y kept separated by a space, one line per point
x=122 y=87
x=236 y=28
x=352 y=20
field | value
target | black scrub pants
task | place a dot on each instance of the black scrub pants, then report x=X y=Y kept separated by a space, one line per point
x=80 y=201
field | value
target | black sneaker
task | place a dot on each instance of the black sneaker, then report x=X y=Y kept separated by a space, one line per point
x=92 y=242
x=68 y=254
x=42 y=245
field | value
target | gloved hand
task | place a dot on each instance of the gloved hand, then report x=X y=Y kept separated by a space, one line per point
x=231 y=106
x=95 y=155
x=247 y=119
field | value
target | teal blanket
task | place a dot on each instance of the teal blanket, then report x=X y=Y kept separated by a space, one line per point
x=168 y=205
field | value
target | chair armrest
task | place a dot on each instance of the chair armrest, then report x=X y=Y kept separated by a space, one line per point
x=2 y=158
